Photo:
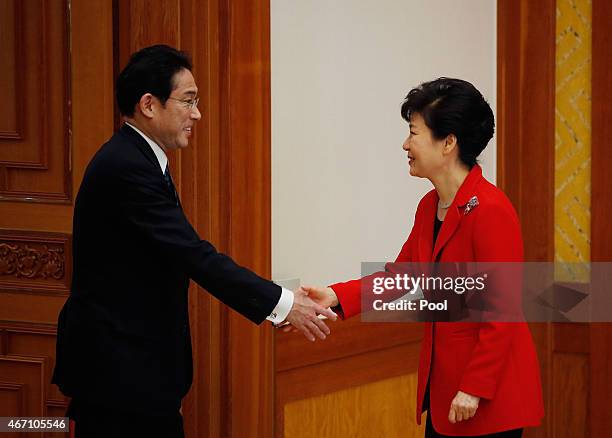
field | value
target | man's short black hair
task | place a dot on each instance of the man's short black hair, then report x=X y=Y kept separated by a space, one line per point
x=150 y=70
x=453 y=106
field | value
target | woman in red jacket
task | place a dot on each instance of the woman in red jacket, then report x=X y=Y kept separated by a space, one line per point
x=475 y=379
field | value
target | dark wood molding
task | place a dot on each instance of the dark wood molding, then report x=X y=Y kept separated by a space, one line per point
x=601 y=211
x=601 y=152
x=526 y=145
x=244 y=35
x=350 y=337
x=525 y=118
x=28 y=327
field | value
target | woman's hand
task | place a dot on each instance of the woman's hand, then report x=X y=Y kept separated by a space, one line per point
x=323 y=296
x=463 y=407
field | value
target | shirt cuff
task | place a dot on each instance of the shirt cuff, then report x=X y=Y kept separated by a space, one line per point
x=283 y=307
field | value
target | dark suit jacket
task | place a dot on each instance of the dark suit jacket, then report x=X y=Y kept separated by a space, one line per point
x=123 y=334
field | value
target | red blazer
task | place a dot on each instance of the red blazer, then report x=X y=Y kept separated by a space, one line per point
x=495 y=361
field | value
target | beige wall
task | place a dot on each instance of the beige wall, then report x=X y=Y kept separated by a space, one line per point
x=341 y=193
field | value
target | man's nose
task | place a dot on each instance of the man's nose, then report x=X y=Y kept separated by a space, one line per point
x=196 y=114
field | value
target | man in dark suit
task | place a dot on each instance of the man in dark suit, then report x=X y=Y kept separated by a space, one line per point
x=123 y=347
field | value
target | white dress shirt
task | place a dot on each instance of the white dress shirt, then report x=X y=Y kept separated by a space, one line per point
x=280 y=312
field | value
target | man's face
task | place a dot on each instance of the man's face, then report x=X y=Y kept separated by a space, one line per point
x=174 y=122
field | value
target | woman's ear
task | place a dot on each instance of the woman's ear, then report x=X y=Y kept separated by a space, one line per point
x=450 y=143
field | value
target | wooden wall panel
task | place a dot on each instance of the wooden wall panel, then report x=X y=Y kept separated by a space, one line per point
x=378 y=409
x=13 y=399
x=35 y=307
x=357 y=354
x=32 y=375
x=35 y=146
x=34 y=342
x=37 y=341
x=569 y=410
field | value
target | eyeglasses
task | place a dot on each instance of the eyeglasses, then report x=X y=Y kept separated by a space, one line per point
x=188 y=103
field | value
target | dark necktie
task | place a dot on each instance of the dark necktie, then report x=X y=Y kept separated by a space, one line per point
x=170 y=183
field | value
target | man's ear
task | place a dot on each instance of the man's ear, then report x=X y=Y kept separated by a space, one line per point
x=146 y=105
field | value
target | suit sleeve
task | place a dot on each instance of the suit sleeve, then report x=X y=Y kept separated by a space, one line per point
x=497 y=238
x=151 y=211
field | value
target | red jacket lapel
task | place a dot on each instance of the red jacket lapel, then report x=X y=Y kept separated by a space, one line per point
x=455 y=211
x=427 y=215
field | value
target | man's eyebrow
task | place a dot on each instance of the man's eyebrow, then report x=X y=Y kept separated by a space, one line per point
x=190 y=93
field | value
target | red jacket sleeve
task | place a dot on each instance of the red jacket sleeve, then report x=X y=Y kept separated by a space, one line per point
x=349 y=292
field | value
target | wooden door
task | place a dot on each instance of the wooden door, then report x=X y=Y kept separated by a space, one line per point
x=57 y=92
x=60 y=58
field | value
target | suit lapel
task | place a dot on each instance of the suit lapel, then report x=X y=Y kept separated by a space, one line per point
x=137 y=140
x=455 y=211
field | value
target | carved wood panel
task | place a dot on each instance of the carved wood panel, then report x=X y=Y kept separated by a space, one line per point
x=34 y=116
x=34 y=261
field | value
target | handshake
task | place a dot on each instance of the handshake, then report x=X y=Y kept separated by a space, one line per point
x=311 y=305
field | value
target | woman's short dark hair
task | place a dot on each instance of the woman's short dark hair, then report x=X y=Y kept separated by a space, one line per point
x=150 y=70
x=452 y=106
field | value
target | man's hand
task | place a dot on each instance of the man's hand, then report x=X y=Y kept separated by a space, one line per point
x=304 y=316
x=463 y=407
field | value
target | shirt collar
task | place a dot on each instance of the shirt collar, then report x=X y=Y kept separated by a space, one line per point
x=159 y=152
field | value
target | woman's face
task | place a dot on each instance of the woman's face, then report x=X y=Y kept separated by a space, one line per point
x=425 y=153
